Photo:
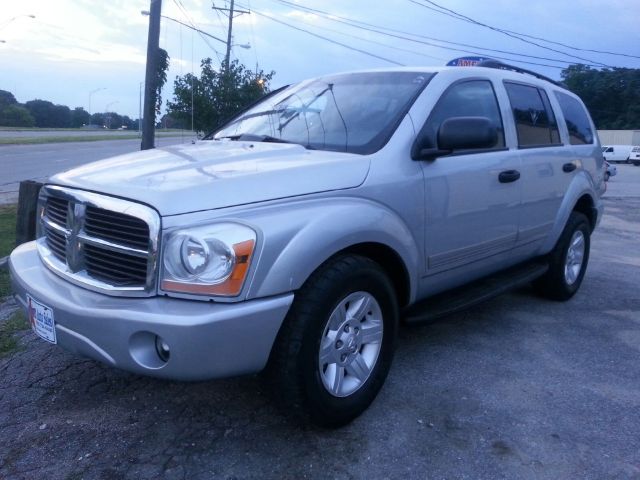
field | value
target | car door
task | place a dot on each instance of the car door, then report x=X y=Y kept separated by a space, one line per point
x=547 y=165
x=472 y=209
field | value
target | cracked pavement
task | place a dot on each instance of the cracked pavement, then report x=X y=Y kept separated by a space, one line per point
x=517 y=387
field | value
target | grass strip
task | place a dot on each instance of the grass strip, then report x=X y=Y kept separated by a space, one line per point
x=17 y=322
x=7 y=243
x=57 y=139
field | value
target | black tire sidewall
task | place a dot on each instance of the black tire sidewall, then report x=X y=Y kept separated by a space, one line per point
x=556 y=281
x=325 y=408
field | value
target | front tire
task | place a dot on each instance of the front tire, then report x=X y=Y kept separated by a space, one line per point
x=568 y=260
x=336 y=345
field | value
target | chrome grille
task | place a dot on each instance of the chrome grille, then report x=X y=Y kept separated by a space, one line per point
x=116 y=227
x=119 y=268
x=90 y=240
x=57 y=243
x=56 y=210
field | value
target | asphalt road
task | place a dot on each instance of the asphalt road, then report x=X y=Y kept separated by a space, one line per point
x=38 y=162
x=517 y=388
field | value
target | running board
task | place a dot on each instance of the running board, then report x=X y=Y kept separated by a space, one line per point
x=473 y=293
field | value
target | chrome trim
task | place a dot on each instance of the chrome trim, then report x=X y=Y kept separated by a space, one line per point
x=114 y=247
x=74 y=269
x=54 y=226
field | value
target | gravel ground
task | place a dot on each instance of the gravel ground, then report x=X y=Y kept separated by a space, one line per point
x=518 y=387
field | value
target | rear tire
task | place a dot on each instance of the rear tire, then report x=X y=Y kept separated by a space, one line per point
x=567 y=261
x=334 y=350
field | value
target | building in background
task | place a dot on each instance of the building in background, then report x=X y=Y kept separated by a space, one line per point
x=619 y=137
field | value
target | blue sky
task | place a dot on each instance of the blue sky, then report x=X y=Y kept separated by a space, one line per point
x=73 y=47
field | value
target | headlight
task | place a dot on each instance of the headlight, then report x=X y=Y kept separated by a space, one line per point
x=210 y=260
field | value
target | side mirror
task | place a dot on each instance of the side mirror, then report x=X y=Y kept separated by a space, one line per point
x=461 y=133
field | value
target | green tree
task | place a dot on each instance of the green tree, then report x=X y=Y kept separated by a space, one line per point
x=161 y=76
x=217 y=94
x=79 y=117
x=98 y=119
x=16 y=116
x=611 y=95
x=6 y=99
x=48 y=115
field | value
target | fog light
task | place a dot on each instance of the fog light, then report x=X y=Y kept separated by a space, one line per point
x=163 y=349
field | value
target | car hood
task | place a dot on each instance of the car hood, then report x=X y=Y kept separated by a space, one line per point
x=216 y=174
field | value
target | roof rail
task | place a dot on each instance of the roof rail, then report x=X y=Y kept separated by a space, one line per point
x=504 y=66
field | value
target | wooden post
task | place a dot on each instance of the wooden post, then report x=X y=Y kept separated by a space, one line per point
x=27 y=211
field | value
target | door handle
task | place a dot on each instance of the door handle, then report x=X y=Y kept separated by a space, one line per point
x=569 y=167
x=509 y=176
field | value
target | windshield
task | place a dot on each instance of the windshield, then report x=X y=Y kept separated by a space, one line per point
x=354 y=113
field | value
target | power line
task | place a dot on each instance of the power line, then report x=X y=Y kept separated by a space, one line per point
x=200 y=32
x=370 y=40
x=220 y=21
x=574 y=47
x=459 y=16
x=253 y=38
x=377 y=29
x=328 y=39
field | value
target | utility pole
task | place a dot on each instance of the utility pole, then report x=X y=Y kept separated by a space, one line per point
x=231 y=13
x=227 y=57
x=151 y=77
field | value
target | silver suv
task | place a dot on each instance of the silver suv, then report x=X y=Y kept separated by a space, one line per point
x=301 y=234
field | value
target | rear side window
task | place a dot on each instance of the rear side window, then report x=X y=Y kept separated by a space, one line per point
x=532 y=113
x=473 y=98
x=576 y=118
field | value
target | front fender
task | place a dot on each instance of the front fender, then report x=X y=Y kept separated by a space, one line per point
x=581 y=184
x=298 y=239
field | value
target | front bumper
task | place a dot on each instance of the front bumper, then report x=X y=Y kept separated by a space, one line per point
x=206 y=340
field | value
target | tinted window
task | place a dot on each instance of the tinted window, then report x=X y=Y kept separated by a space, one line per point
x=576 y=119
x=535 y=122
x=474 y=98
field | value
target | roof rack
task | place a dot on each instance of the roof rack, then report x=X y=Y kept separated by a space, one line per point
x=504 y=66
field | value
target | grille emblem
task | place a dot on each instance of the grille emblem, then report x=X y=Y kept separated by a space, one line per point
x=75 y=220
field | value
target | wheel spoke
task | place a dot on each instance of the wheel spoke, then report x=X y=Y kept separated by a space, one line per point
x=358 y=368
x=359 y=308
x=578 y=243
x=372 y=332
x=327 y=351
x=338 y=317
x=336 y=385
x=577 y=258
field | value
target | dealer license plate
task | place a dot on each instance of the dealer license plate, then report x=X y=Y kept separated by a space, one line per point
x=41 y=319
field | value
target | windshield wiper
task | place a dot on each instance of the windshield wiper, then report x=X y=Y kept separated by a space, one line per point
x=251 y=137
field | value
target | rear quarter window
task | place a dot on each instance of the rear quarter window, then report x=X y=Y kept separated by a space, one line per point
x=576 y=119
x=535 y=122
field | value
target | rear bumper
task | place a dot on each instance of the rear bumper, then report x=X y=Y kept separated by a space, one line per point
x=206 y=340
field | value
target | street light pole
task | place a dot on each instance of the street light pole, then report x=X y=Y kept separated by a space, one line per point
x=151 y=77
x=106 y=110
x=140 y=110
x=90 y=94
